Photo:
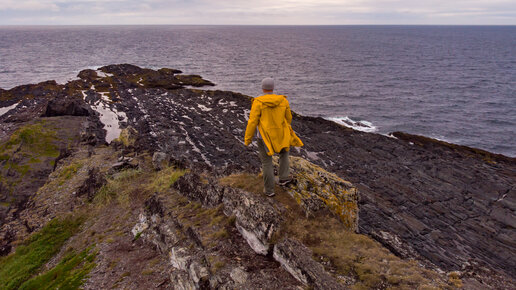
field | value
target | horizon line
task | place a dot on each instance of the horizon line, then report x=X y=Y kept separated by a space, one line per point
x=271 y=25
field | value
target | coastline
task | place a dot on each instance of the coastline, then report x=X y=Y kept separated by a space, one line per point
x=418 y=195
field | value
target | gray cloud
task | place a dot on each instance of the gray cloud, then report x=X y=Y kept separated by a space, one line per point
x=19 y=12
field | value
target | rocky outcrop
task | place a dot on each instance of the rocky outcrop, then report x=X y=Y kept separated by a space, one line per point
x=192 y=267
x=446 y=205
x=257 y=218
x=67 y=107
x=93 y=182
x=317 y=189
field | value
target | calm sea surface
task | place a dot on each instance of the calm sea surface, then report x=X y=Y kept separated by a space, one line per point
x=455 y=83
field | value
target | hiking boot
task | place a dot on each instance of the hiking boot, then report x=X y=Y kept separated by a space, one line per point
x=285 y=182
x=269 y=194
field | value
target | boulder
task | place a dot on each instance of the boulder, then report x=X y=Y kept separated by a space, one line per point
x=87 y=74
x=66 y=107
x=315 y=189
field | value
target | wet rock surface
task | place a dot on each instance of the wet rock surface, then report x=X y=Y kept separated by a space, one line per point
x=451 y=206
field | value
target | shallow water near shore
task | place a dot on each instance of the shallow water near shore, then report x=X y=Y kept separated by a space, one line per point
x=454 y=83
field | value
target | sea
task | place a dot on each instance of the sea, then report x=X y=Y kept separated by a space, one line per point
x=452 y=83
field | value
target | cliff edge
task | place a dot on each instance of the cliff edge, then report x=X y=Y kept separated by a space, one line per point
x=133 y=178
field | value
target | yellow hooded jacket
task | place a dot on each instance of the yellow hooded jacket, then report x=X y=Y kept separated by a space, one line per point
x=271 y=113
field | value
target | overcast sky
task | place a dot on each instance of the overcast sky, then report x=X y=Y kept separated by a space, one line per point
x=266 y=12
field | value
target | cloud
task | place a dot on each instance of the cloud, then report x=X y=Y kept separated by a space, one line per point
x=257 y=12
x=29 y=5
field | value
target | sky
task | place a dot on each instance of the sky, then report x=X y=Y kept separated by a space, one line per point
x=258 y=12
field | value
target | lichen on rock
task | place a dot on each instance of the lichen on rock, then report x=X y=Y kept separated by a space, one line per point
x=315 y=189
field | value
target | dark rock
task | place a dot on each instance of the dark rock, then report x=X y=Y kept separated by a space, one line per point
x=88 y=74
x=93 y=132
x=121 y=69
x=122 y=165
x=6 y=238
x=93 y=183
x=47 y=89
x=297 y=260
x=169 y=71
x=192 y=186
x=63 y=153
x=194 y=80
x=67 y=107
x=160 y=160
x=431 y=143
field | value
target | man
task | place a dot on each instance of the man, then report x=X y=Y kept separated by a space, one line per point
x=271 y=113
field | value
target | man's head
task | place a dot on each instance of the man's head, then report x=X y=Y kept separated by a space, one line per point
x=268 y=85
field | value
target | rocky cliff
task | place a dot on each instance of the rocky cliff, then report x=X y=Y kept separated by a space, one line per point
x=147 y=181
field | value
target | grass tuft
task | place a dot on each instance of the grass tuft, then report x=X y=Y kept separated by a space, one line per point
x=164 y=179
x=68 y=274
x=36 y=251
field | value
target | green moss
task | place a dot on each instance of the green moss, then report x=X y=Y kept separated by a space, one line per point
x=36 y=137
x=19 y=266
x=68 y=172
x=33 y=160
x=68 y=274
x=138 y=235
x=127 y=137
x=27 y=146
x=131 y=184
x=165 y=178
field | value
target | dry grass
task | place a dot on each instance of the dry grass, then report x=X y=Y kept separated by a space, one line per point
x=129 y=185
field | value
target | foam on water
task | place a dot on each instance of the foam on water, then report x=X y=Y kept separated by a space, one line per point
x=451 y=81
x=364 y=126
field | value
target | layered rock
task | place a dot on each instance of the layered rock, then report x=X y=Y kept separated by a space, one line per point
x=257 y=218
x=297 y=260
x=193 y=265
x=448 y=206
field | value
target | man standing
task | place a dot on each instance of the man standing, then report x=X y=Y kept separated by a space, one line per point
x=271 y=113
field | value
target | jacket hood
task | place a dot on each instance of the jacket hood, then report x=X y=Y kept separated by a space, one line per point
x=271 y=100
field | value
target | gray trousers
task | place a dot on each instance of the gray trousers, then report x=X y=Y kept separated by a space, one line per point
x=268 y=170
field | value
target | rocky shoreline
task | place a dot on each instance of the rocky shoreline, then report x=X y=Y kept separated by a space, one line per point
x=449 y=207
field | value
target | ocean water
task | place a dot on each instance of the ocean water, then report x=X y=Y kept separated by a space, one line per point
x=454 y=83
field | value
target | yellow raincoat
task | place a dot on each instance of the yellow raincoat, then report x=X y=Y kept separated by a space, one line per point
x=271 y=113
